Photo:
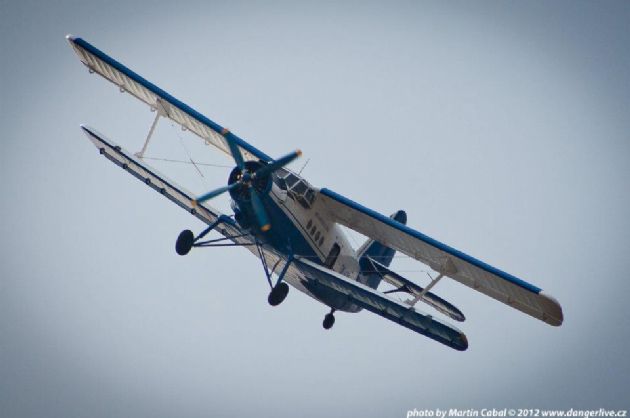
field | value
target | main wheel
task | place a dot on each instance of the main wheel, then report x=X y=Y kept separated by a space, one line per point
x=184 y=242
x=278 y=294
x=329 y=321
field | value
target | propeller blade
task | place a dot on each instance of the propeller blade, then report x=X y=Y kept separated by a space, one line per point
x=214 y=193
x=234 y=149
x=280 y=162
x=259 y=210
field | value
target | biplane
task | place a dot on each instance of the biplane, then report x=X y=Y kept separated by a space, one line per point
x=298 y=230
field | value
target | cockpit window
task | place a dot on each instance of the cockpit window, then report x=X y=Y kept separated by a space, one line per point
x=281 y=172
x=291 y=179
x=298 y=189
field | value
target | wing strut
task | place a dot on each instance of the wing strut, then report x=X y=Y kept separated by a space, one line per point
x=420 y=295
x=447 y=268
x=140 y=153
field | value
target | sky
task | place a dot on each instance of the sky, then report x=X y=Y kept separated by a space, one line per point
x=501 y=128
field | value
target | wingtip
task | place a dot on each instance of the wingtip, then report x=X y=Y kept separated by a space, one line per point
x=462 y=343
x=553 y=314
x=91 y=132
x=70 y=37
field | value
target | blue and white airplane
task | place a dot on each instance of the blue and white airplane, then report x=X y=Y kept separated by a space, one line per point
x=294 y=227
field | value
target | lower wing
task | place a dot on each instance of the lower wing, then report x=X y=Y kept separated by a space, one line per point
x=300 y=270
x=380 y=304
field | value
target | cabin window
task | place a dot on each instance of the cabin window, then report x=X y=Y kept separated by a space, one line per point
x=321 y=241
x=309 y=196
x=316 y=235
x=332 y=256
x=313 y=230
x=309 y=224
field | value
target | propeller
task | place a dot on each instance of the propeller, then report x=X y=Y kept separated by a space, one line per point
x=246 y=179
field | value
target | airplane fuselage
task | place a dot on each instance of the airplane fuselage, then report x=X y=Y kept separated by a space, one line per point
x=299 y=229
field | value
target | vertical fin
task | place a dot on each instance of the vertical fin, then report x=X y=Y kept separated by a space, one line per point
x=379 y=252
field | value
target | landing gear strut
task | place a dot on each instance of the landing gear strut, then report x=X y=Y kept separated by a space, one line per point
x=329 y=320
x=280 y=291
x=186 y=239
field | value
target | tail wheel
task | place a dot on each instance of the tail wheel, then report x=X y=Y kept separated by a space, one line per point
x=329 y=321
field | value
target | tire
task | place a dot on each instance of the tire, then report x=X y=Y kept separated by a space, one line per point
x=184 y=242
x=329 y=321
x=278 y=294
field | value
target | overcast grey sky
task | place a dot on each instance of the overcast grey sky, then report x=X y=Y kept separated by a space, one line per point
x=502 y=129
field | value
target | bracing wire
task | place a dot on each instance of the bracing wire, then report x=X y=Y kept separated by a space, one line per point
x=181 y=141
x=169 y=160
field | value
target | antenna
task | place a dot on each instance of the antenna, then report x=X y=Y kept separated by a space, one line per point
x=301 y=169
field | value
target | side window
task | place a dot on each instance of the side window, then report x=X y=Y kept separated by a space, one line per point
x=332 y=256
x=313 y=230
x=316 y=235
x=309 y=224
x=309 y=196
x=321 y=241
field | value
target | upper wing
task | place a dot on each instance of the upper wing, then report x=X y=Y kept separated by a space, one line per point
x=440 y=257
x=168 y=106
